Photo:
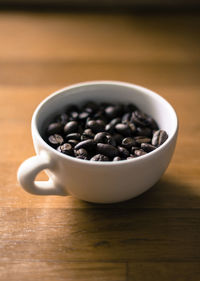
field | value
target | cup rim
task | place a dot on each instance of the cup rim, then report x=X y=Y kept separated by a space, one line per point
x=35 y=131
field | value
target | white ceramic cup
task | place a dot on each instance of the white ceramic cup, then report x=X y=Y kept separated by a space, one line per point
x=99 y=182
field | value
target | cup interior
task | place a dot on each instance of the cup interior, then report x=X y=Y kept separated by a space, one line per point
x=105 y=91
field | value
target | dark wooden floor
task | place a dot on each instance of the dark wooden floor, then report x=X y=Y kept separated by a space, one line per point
x=153 y=237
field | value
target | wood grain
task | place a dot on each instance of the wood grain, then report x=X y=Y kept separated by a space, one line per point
x=153 y=237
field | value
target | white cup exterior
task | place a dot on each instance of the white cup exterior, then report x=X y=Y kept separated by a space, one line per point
x=98 y=182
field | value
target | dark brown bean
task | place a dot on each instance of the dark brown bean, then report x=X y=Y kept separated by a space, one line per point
x=73 y=142
x=139 y=118
x=112 y=111
x=54 y=128
x=133 y=148
x=128 y=142
x=63 y=118
x=159 y=137
x=140 y=139
x=91 y=107
x=96 y=125
x=66 y=148
x=101 y=137
x=123 y=152
x=81 y=152
x=84 y=115
x=110 y=127
x=126 y=117
x=73 y=136
x=74 y=115
x=86 y=144
x=152 y=123
x=139 y=152
x=117 y=158
x=123 y=129
x=144 y=131
x=87 y=134
x=71 y=127
x=147 y=147
x=118 y=139
x=99 y=157
x=55 y=140
x=107 y=149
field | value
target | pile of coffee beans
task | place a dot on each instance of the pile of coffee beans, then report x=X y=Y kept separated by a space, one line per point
x=104 y=132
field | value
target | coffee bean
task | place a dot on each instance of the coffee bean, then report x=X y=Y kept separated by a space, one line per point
x=110 y=127
x=123 y=152
x=140 y=139
x=99 y=157
x=132 y=128
x=139 y=118
x=147 y=147
x=144 y=131
x=123 y=129
x=112 y=111
x=117 y=158
x=101 y=137
x=118 y=139
x=86 y=144
x=82 y=157
x=107 y=149
x=55 y=140
x=159 y=137
x=84 y=115
x=139 y=152
x=81 y=152
x=66 y=148
x=96 y=125
x=128 y=142
x=126 y=117
x=90 y=107
x=133 y=148
x=71 y=127
x=73 y=142
x=54 y=128
x=73 y=136
x=87 y=134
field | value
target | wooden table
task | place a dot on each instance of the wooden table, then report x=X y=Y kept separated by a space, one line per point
x=153 y=237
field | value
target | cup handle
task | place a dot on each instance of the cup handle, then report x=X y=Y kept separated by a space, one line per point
x=28 y=171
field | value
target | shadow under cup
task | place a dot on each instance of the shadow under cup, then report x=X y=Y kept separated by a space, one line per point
x=115 y=181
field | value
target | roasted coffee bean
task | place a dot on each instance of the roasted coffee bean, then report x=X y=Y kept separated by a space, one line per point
x=110 y=127
x=84 y=115
x=147 y=147
x=82 y=157
x=55 y=140
x=112 y=111
x=111 y=140
x=86 y=144
x=87 y=134
x=123 y=152
x=144 y=131
x=139 y=152
x=117 y=158
x=128 y=142
x=66 y=148
x=131 y=157
x=91 y=107
x=74 y=116
x=107 y=149
x=132 y=128
x=139 y=118
x=96 y=125
x=101 y=137
x=73 y=136
x=73 y=142
x=123 y=129
x=133 y=148
x=140 y=139
x=54 y=128
x=159 y=137
x=118 y=139
x=81 y=152
x=126 y=117
x=99 y=157
x=71 y=127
